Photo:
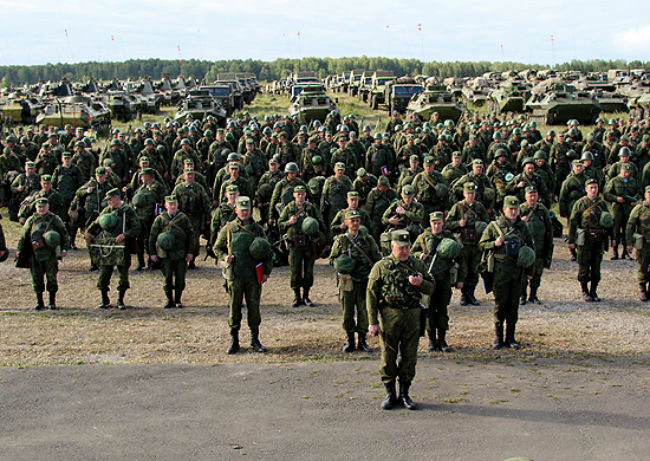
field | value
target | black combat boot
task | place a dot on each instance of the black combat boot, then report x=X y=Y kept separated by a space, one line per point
x=391 y=396
x=305 y=297
x=106 y=303
x=362 y=345
x=140 y=262
x=349 y=345
x=510 y=336
x=532 y=298
x=522 y=298
x=574 y=254
x=471 y=298
x=52 y=305
x=177 y=299
x=433 y=344
x=593 y=292
x=585 y=292
x=73 y=245
x=615 y=255
x=297 y=300
x=405 y=398
x=170 y=302
x=442 y=344
x=233 y=347
x=644 y=292
x=40 y=304
x=255 y=341
x=120 y=300
x=464 y=299
x=93 y=268
x=498 y=336
x=192 y=266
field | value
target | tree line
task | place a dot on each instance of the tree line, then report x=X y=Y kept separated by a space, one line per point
x=279 y=68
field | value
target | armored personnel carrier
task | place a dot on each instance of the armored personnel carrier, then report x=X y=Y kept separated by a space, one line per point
x=78 y=111
x=311 y=104
x=510 y=96
x=200 y=104
x=553 y=101
x=435 y=98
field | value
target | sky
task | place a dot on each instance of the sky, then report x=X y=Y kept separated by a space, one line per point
x=542 y=32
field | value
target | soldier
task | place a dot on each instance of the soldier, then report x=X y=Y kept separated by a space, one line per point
x=537 y=218
x=379 y=199
x=573 y=188
x=589 y=229
x=121 y=162
x=265 y=188
x=311 y=162
x=405 y=214
x=623 y=193
x=234 y=177
x=23 y=185
x=440 y=264
x=395 y=287
x=361 y=248
x=344 y=155
x=624 y=155
x=233 y=248
x=122 y=229
x=185 y=152
x=170 y=242
x=407 y=175
x=380 y=160
x=194 y=202
x=42 y=235
x=338 y=225
x=85 y=161
x=53 y=197
x=146 y=202
x=485 y=192
x=503 y=238
x=431 y=189
x=66 y=179
x=301 y=257
x=283 y=191
x=455 y=169
x=223 y=214
x=335 y=189
x=363 y=184
x=637 y=236
x=528 y=177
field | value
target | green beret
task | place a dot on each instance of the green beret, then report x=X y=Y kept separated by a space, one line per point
x=436 y=216
x=511 y=202
x=232 y=188
x=591 y=181
x=400 y=237
x=170 y=199
x=299 y=188
x=352 y=214
x=243 y=203
x=469 y=187
x=353 y=194
x=408 y=190
x=112 y=193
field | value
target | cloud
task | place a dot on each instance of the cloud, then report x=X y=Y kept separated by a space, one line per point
x=634 y=41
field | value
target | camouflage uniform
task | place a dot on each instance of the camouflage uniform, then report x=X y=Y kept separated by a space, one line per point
x=538 y=220
x=376 y=204
x=629 y=190
x=639 y=223
x=333 y=197
x=152 y=195
x=194 y=202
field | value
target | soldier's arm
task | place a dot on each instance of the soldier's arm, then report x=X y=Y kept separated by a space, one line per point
x=574 y=221
x=454 y=217
x=428 y=284
x=415 y=215
x=632 y=224
x=156 y=227
x=59 y=226
x=133 y=224
x=487 y=239
x=221 y=245
x=283 y=224
x=390 y=211
x=609 y=193
x=373 y=294
x=337 y=248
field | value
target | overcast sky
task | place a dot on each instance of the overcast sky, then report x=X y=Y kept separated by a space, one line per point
x=39 y=32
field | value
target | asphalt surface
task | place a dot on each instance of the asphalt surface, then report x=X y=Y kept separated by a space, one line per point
x=496 y=410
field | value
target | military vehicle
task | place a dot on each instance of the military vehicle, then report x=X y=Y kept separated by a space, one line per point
x=553 y=101
x=78 y=111
x=378 y=82
x=476 y=91
x=611 y=101
x=237 y=93
x=169 y=94
x=311 y=104
x=21 y=108
x=355 y=81
x=200 y=104
x=341 y=82
x=246 y=89
x=365 y=82
x=510 y=96
x=311 y=87
x=435 y=98
x=143 y=90
x=399 y=92
x=60 y=89
x=223 y=94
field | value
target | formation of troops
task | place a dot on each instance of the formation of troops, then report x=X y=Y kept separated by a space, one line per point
x=405 y=215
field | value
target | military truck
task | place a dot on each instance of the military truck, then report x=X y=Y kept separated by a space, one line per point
x=436 y=98
x=223 y=94
x=553 y=102
x=365 y=82
x=398 y=93
x=355 y=81
x=378 y=82
x=237 y=93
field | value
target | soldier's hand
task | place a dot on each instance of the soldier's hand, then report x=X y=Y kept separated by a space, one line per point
x=572 y=246
x=120 y=238
x=188 y=257
x=264 y=278
x=462 y=222
x=394 y=220
x=229 y=259
x=521 y=184
x=374 y=330
x=342 y=226
x=154 y=258
x=424 y=256
x=498 y=242
x=416 y=280
x=524 y=218
x=400 y=210
x=293 y=220
x=629 y=249
x=620 y=199
x=460 y=285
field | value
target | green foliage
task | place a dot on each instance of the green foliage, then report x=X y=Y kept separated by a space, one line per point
x=280 y=68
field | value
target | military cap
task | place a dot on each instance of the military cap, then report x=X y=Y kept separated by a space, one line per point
x=30 y=164
x=108 y=162
x=144 y=159
x=479 y=162
x=383 y=181
x=469 y=187
x=429 y=160
x=540 y=154
x=149 y=142
x=115 y=142
x=361 y=172
x=46 y=178
x=527 y=160
x=626 y=167
x=299 y=188
x=233 y=166
x=138 y=130
x=353 y=194
x=232 y=188
x=343 y=139
x=378 y=136
x=501 y=153
x=23 y=139
x=100 y=171
x=577 y=162
x=250 y=141
x=339 y=166
x=53 y=135
x=66 y=154
x=456 y=154
x=115 y=131
x=531 y=189
x=80 y=144
x=42 y=201
x=410 y=136
x=647 y=189
x=170 y=199
x=313 y=139
x=591 y=181
x=414 y=158
x=243 y=203
x=148 y=171
x=511 y=202
x=408 y=190
x=436 y=216
x=188 y=170
x=352 y=214
x=282 y=133
x=188 y=161
x=112 y=193
x=400 y=237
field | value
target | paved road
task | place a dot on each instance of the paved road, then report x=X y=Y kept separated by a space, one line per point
x=329 y=411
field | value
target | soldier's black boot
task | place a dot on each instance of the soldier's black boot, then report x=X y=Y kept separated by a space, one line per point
x=391 y=396
x=297 y=300
x=498 y=336
x=532 y=298
x=93 y=268
x=471 y=298
x=522 y=298
x=432 y=340
x=255 y=341
x=40 y=304
x=120 y=300
x=177 y=299
x=233 y=347
x=405 y=398
x=52 y=305
x=191 y=265
x=585 y=292
x=362 y=345
x=442 y=343
x=593 y=292
x=106 y=303
x=615 y=255
x=140 y=262
x=644 y=292
x=305 y=297
x=464 y=299
x=510 y=337
x=170 y=302
x=574 y=254
x=349 y=344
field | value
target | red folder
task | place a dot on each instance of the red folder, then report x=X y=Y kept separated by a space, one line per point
x=258 y=271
